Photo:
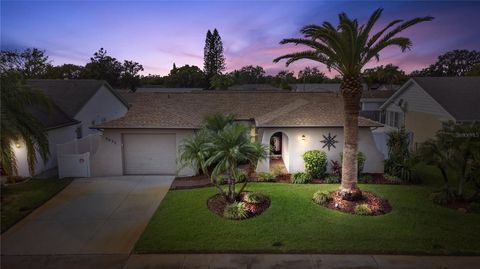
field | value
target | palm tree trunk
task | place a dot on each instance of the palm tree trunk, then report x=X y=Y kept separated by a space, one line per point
x=351 y=89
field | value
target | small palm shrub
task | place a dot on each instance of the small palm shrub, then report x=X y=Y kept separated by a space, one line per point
x=391 y=178
x=235 y=210
x=253 y=197
x=363 y=210
x=315 y=163
x=277 y=170
x=332 y=179
x=265 y=177
x=241 y=176
x=442 y=197
x=321 y=197
x=301 y=178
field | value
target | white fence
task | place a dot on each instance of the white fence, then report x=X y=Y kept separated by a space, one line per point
x=74 y=157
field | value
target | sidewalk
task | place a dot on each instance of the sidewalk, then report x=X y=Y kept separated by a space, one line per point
x=244 y=261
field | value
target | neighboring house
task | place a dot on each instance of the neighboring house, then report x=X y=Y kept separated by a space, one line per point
x=147 y=139
x=371 y=102
x=423 y=104
x=76 y=105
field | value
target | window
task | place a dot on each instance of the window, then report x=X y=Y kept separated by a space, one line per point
x=79 y=132
x=393 y=119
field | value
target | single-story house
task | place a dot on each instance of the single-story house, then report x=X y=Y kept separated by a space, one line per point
x=423 y=104
x=147 y=139
x=76 y=105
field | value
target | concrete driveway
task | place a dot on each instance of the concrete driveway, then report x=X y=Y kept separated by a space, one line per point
x=90 y=216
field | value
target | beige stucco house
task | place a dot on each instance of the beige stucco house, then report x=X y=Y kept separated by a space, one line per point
x=147 y=139
x=423 y=104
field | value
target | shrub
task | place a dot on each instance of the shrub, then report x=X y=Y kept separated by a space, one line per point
x=442 y=197
x=315 y=163
x=363 y=210
x=265 y=176
x=365 y=179
x=301 y=178
x=392 y=178
x=242 y=176
x=253 y=197
x=235 y=210
x=361 y=158
x=475 y=207
x=321 y=197
x=277 y=170
x=336 y=168
x=252 y=208
x=332 y=179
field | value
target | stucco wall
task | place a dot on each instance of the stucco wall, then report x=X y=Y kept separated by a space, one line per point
x=102 y=107
x=56 y=136
x=108 y=159
x=297 y=146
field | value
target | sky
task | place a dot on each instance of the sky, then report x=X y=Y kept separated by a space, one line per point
x=159 y=33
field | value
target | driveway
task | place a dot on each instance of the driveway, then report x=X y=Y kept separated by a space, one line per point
x=90 y=216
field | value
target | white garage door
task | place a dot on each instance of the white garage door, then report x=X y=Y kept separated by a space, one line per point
x=149 y=154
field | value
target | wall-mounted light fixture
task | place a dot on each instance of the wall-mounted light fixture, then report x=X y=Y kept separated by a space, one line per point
x=304 y=137
x=18 y=145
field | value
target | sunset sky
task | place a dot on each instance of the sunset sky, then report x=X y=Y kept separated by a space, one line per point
x=159 y=33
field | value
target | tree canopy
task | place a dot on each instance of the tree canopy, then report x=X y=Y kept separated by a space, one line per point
x=213 y=58
x=452 y=63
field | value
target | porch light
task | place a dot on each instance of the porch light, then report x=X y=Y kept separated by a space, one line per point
x=304 y=137
x=17 y=145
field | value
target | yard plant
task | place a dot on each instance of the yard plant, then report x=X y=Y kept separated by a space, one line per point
x=315 y=163
x=347 y=48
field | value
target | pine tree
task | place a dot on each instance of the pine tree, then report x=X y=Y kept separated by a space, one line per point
x=214 y=60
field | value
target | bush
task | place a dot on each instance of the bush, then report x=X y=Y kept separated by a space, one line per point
x=315 y=163
x=475 y=207
x=242 y=176
x=336 y=168
x=321 y=197
x=277 y=170
x=360 y=161
x=363 y=210
x=301 y=178
x=236 y=210
x=365 y=179
x=332 y=179
x=253 y=197
x=265 y=176
x=392 y=178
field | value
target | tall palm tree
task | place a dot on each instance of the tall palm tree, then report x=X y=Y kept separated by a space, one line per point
x=347 y=48
x=18 y=125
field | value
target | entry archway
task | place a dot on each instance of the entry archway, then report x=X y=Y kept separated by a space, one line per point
x=279 y=153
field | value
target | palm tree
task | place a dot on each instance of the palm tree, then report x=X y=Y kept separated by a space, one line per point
x=18 y=125
x=347 y=48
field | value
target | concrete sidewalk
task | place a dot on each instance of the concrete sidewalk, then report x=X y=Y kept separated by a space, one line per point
x=244 y=261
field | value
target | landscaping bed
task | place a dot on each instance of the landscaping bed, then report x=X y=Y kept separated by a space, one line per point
x=217 y=204
x=372 y=204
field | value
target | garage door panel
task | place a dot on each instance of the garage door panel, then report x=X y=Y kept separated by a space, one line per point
x=149 y=153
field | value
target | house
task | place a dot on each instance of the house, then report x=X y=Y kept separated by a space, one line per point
x=147 y=139
x=423 y=104
x=76 y=105
x=371 y=102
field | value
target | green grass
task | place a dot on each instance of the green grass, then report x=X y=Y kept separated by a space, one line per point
x=21 y=199
x=294 y=224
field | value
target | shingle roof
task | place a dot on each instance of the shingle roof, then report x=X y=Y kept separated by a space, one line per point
x=460 y=96
x=52 y=117
x=268 y=109
x=71 y=95
x=377 y=94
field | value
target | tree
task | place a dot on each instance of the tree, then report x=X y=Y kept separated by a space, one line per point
x=187 y=76
x=475 y=71
x=222 y=145
x=18 y=124
x=105 y=67
x=283 y=79
x=249 y=75
x=385 y=75
x=130 y=76
x=311 y=75
x=452 y=63
x=221 y=82
x=65 y=71
x=213 y=58
x=31 y=63
x=347 y=48
x=152 y=80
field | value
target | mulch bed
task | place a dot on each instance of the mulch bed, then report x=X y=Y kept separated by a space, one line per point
x=377 y=205
x=190 y=182
x=217 y=204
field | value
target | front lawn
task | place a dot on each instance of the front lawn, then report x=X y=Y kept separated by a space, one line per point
x=21 y=199
x=294 y=224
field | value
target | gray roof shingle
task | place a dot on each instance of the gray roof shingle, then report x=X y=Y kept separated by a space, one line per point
x=268 y=109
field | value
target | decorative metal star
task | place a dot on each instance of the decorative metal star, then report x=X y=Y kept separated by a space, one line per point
x=329 y=141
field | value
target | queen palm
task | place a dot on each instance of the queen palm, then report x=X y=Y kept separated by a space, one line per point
x=347 y=48
x=18 y=125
